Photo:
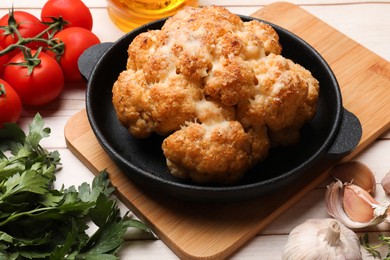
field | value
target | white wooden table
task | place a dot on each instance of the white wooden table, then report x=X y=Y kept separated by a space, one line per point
x=367 y=22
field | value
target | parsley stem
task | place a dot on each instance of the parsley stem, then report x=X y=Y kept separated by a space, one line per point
x=26 y=213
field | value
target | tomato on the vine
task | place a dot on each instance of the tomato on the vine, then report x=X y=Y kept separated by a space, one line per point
x=76 y=41
x=27 y=24
x=10 y=105
x=3 y=60
x=75 y=12
x=38 y=87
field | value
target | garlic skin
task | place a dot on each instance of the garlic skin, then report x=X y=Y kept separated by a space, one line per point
x=322 y=239
x=357 y=173
x=353 y=206
x=386 y=183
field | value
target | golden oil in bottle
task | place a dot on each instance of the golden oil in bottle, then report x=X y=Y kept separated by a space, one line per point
x=129 y=14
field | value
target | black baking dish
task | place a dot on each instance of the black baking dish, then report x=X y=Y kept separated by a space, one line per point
x=334 y=132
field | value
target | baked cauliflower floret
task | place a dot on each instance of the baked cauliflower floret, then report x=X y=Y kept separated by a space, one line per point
x=218 y=88
x=285 y=99
x=210 y=111
x=142 y=47
x=256 y=32
x=131 y=103
x=231 y=82
x=215 y=20
x=162 y=107
x=220 y=153
x=148 y=53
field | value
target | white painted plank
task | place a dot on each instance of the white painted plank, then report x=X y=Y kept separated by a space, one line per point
x=229 y=3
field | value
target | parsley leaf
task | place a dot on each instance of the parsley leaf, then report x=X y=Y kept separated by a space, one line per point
x=40 y=222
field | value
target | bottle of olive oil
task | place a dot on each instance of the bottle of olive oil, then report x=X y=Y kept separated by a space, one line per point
x=129 y=14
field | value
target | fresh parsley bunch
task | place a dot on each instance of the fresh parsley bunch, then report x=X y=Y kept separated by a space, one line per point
x=40 y=222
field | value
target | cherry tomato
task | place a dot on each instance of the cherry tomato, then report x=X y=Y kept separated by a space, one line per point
x=42 y=86
x=76 y=41
x=75 y=12
x=10 y=105
x=28 y=26
x=3 y=60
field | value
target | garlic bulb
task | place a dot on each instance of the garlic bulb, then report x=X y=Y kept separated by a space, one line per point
x=322 y=239
x=353 y=206
x=386 y=183
x=357 y=173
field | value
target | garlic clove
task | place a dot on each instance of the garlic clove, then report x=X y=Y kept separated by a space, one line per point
x=355 y=172
x=386 y=187
x=386 y=183
x=357 y=203
x=353 y=206
x=322 y=239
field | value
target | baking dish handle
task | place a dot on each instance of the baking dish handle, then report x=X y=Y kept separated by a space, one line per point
x=90 y=57
x=348 y=137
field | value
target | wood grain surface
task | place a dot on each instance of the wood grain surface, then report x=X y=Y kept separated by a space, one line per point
x=215 y=231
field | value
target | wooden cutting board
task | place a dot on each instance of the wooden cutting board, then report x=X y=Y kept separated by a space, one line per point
x=214 y=231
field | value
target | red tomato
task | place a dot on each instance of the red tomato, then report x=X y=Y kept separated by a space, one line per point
x=42 y=86
x=3 y=60
x=75 y=12
x=28 y=26
x=76 y=41
x=10 y=105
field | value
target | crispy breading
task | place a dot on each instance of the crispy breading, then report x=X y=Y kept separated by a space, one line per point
x=218 y=88
x=220 y=152
x=285 y=98
x=160 y=107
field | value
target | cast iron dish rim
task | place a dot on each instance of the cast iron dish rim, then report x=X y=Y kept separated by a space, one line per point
x=327 y=143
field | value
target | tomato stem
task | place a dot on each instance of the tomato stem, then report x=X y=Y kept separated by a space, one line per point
x=2 y=90
x=56 y=25
x=30 y=61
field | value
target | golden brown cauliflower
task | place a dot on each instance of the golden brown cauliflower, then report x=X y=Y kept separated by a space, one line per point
x=218 y=88
x=285 y=98
x=220 y=152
